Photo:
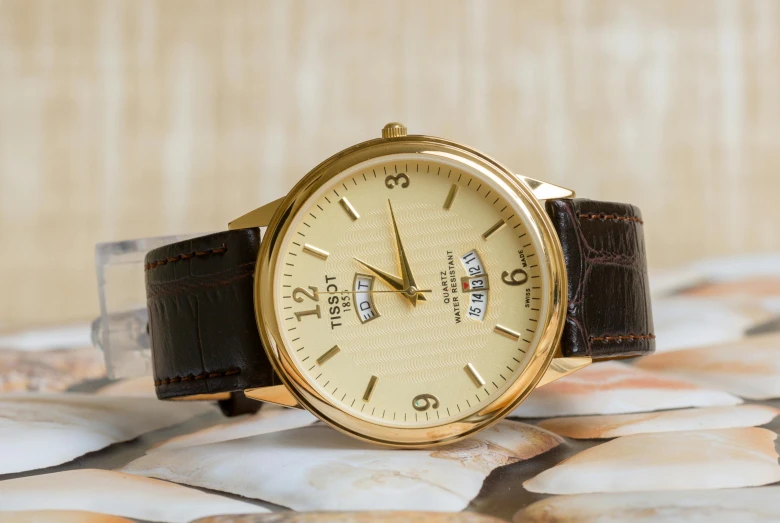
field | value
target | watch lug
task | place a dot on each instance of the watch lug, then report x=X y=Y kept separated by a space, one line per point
x=278 y=394
x=260 y=217
x=560 y=367
x=546 y=191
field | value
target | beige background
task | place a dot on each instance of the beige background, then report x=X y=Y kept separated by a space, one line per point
x=139 y=118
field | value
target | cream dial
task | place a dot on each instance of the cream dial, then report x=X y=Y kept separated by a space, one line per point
x=408 y=291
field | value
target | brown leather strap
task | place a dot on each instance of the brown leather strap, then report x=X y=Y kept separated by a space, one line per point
x=200 y=296
x=201 y=307
x=609 y=314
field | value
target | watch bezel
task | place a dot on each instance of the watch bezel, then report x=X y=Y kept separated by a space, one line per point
x=551 y=255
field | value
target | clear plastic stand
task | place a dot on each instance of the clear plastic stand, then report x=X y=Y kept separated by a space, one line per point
x=121 y=331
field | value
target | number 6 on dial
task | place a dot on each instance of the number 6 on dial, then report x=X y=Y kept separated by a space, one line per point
x=518 y=277
x=424 y=402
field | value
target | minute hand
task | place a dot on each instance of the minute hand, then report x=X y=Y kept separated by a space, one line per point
x=406 y=270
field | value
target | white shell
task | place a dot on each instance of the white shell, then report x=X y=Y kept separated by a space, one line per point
x=612 y=426
x=49 y=371
x=617 y=388
x=735 y=268
x=363 y=516
x=668 y=282
x=749 y=367
x=63 y=337
x=115 y=493
x=142 y=387
x=270 y=418
x=682 y=322
x=749 y=505
x=318 y=468
x=38 y=431
x=59 y=516
x=688 y=460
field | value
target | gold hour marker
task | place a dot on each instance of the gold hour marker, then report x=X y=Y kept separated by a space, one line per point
x=451 y=196
x=370 y=388
x=506 y=332
x=350 y=210
x=328 y=355
x=316 y=251
x=494 y=229
x=474 y=375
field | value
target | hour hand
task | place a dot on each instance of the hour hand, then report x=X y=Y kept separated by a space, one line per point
x=393 y=281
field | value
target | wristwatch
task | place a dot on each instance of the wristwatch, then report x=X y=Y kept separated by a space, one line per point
x=408 y=291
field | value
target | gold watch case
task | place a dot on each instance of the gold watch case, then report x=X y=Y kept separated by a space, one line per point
x=546 y=364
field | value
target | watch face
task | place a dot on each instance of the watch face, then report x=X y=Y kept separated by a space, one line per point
x=410 y=291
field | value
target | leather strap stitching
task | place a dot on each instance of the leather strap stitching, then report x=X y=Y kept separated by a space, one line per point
x=156 y=290
x=185 y=256
x=613 y=217
x=622 y=338
x=202 y=376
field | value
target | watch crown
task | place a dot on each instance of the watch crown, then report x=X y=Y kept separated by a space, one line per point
x=393 y=130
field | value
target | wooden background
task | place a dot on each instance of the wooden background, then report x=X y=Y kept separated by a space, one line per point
x=140 y=118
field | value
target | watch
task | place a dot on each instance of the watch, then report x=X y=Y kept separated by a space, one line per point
x=408 y=291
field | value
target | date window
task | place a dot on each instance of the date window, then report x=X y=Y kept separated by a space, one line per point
x=475 y=283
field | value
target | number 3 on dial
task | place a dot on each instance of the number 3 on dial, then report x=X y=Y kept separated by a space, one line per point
x=399 y=179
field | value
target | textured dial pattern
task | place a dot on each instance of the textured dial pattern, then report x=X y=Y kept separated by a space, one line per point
x=428 y=355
